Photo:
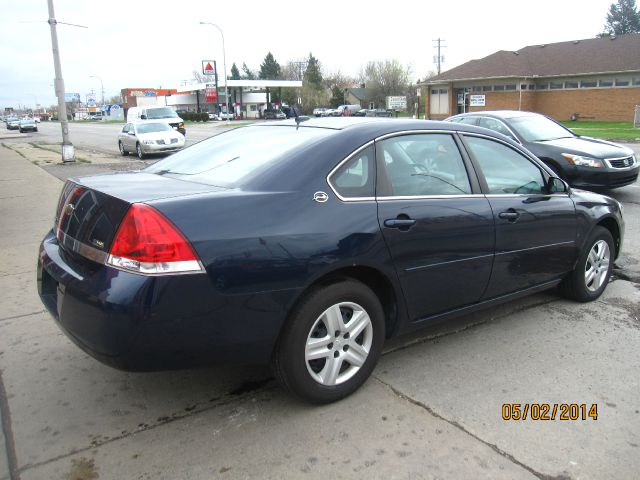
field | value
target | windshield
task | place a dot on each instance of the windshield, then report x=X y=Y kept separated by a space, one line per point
x=162 y=112
x=153 y=127
x=538 y=128
x=226 y=159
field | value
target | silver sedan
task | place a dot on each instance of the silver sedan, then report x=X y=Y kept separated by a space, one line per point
x=145 y=138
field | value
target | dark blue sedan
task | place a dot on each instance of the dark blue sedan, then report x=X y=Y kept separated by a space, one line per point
x=307 y=243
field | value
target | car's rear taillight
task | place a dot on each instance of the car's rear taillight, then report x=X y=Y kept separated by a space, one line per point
x=148 y=243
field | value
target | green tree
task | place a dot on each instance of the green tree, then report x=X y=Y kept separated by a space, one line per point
x=313 y=73
x=623 y=17
x=270 y=69
x=248 y=73
x=235 y=73
x=337 y=96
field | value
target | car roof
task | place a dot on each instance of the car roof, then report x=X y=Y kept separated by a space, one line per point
x=500 y=114
x=376 y=126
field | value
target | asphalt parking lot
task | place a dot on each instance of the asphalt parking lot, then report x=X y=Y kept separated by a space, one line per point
x=432 y=409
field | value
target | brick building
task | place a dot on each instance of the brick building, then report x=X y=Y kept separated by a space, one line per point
x=595 y=79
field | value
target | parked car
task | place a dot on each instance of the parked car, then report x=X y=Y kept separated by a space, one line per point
x=163 y=114
x=310 y=243
x=13 y=123
x=581 y=161
x=319 y=112
x=27 y=124
x=274 y=115
x=361 y=113
x=340 y=111
x=221 y=116
x=379 y=112
x=148 y=137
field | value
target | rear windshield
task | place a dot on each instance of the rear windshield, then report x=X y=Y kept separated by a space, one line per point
x=163 y=112
x=228 y=159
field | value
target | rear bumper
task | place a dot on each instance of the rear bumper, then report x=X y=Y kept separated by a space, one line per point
x=136 y=323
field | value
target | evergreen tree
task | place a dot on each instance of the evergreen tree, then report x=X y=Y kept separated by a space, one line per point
x=313 y=75
x=270 y=69
x=235 y=73
x=623 y=17
x=248 y=74
x=337 y=96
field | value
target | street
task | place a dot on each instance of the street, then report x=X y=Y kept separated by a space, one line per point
x=432 y=408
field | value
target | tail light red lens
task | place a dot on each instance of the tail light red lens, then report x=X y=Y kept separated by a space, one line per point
x=147 y=242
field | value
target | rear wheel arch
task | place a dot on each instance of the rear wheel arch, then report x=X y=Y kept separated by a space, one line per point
x=374 y=279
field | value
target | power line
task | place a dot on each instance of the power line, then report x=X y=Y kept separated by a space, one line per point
x=439 y=58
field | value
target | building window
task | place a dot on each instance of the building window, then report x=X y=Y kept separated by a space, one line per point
x=543 y=86
x=439 y=101
x=511 y=86
x=498 y=88
x=487 y=88
x=636 y=81
x=588 y=84
x=605 y=83
x=571 y=84
x=476 y=88
x=555 y=85
x=622 y=83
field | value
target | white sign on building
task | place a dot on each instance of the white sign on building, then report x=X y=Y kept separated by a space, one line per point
x=477 y=100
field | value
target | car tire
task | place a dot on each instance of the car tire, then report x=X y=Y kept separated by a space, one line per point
x=21 y=131
x=341 y=326
x=139 y=151
x=592 y=271
x=123 y=152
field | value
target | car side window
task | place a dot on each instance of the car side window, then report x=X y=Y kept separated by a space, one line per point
x=422 y=165
x=125 y=129
x=496 y=126
x=506 y=170
x=356 y=177
x=469 y=120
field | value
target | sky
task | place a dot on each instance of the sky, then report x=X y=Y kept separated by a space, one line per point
x=148 y=43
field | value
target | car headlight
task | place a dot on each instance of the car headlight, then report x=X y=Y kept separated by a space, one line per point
x=148 y=142
x=181 y=125
x=582 y=161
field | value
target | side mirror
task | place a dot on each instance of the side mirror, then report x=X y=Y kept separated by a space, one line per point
x=132 y=133
x=557 y=185
x=143 y=117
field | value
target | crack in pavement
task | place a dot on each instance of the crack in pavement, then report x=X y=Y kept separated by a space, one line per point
x=10 y=447
x=458 y=426
x=191 y=411
x=22 y=315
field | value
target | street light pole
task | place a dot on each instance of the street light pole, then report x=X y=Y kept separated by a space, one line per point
x=68 y=153
x=224 y=66
x=101 y=86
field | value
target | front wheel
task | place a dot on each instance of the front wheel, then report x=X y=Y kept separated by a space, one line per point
x=593 y=270
x=123 y=152
x=139 y=151
x=331 y=342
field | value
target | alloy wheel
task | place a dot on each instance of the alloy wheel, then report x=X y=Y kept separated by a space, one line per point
x=597 y=266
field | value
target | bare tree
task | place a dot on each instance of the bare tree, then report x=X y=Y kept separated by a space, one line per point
x=385 y=78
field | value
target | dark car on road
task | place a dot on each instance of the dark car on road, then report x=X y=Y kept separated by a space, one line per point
x=308 y=243
x=581 y=161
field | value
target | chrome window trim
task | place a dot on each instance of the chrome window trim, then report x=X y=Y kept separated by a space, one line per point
x=428 y=197
x=337 y=167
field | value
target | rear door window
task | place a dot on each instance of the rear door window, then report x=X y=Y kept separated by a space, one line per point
x=356 y=177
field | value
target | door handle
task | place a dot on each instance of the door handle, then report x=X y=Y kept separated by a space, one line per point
x=399 y=223
x=510 y=215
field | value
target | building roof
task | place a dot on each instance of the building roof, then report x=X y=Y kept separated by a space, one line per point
x=359 y=93
x=579 y=57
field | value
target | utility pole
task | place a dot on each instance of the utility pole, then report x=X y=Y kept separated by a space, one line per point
x=68 y=152
x=439 y=58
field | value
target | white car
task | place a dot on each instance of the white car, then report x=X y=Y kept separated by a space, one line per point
x=149 y=137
